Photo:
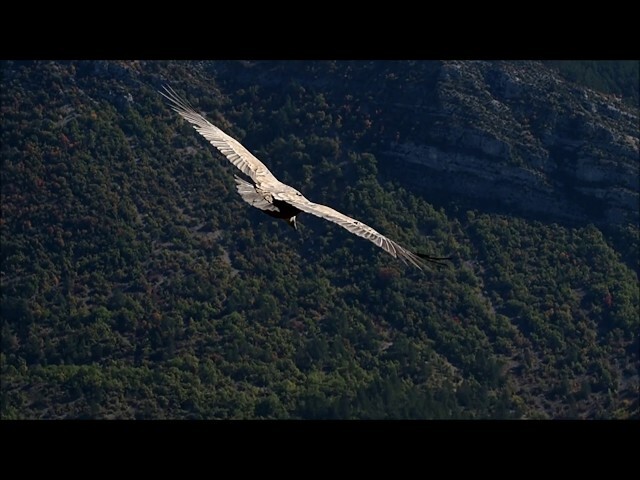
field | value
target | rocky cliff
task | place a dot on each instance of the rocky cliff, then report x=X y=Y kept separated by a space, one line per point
x=511 y=135
x=516 y=135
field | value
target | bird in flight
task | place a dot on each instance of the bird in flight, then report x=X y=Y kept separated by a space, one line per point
x=267 y=193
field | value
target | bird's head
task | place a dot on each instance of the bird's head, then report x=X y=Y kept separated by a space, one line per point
x=292 y=223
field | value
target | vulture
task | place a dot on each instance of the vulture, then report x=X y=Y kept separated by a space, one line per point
x=265 y=192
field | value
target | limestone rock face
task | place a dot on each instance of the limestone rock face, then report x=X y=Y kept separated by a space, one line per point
x=517 y=134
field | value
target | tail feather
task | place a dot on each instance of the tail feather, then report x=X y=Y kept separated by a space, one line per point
x=253 y=197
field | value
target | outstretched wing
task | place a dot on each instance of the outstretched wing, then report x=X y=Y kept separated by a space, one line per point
x=357 y=228
x=228 y=146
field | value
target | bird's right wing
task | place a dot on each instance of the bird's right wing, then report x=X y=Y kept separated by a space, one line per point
x=357 y=228
x=227 y=145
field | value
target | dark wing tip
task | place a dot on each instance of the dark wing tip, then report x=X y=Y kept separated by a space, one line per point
x=439 y=261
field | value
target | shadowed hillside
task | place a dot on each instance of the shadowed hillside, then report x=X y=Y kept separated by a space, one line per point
x=137 y=284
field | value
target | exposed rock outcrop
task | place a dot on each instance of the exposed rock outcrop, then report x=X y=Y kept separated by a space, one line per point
x=517 y=134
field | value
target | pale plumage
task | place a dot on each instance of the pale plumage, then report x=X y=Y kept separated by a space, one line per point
x=275 y=198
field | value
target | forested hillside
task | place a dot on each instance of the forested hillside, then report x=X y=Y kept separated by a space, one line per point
x=610 y=76
x=136 y=283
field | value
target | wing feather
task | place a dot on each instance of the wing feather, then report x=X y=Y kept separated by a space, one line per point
x=351 y=225
x=228 y=146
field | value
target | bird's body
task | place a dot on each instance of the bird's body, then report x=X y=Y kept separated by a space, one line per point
x=269 y=201
x=275 y=198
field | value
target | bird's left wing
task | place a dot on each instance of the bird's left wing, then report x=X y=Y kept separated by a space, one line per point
x=227 y=145
x=356 y=227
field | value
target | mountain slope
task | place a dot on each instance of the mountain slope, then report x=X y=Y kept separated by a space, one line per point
x=518 y=138
x=137 y=284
